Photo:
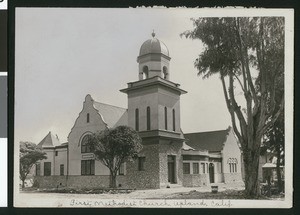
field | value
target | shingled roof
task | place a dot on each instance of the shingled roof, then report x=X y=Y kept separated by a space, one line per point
x=112 y=115
x=212 y=140
x=49 y=141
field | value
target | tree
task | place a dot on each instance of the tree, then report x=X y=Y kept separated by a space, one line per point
x=274 y=142
x=115 y=146
x=29 y=155
x=248 y=55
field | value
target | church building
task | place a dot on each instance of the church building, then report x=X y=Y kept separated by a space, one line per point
x=168 y=158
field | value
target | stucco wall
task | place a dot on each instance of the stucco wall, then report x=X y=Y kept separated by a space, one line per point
x=61 y=158
x=171 y=101
x=50 y=158
x=79 y=130
x=142 y=99
x=231 y=150
x=218 y=176
x=155 y=63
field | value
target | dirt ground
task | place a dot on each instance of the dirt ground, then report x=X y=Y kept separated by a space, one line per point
x=225 y=191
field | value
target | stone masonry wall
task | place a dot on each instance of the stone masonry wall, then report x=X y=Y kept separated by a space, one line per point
x=232 y=177
x=195 y=180
x=149 y=177
x=166 y=147
x=78 y=181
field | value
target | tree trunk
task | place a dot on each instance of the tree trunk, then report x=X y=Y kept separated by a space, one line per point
x=251 y=162
x=23 y=184
x=112 y=180
x=278 y=170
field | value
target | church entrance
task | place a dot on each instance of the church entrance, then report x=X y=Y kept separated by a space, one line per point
x=211 y=173
x=171 y=169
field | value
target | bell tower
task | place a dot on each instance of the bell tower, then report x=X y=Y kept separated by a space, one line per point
x=154 y=111
x=154 y=59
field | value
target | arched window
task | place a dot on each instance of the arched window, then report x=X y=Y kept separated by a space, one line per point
x=85 y=148
x=137 y=119
x=87 y=117
x=173 y=112
x=165 y=72
x=145 y=72
x=166 y=118
x=232 y=162
x=148 y=119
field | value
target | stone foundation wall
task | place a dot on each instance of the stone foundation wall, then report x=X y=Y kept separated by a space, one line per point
x=195 y=180
x=149 y=177
x=50 y=181
x=232 y=177
x=169 y=148
x=78 y=181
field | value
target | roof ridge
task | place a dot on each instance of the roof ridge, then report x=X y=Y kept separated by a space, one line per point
x=110 y=105
x=206 y=132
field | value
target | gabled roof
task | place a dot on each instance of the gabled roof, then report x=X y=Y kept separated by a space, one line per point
x=49 y=141
x=212 y=140
x=112 y=115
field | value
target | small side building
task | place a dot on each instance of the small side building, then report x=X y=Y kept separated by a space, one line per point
x=211 y=157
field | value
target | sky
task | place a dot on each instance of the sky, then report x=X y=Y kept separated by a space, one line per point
x=63 y=54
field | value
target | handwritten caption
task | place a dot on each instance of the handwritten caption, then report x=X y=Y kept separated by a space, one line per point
x=152 y=203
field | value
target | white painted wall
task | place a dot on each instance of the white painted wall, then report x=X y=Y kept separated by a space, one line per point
x=79 y=130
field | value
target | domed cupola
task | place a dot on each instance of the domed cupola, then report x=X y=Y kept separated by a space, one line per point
x=154 y=45
x=153 y=59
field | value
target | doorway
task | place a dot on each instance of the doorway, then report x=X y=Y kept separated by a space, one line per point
x=171 y=169
x=211 y=173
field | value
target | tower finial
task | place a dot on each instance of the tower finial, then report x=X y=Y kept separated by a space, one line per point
x=153 y=34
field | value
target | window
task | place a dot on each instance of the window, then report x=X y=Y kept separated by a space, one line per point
x=203 y=167
x=232 y=162
x=206 y=167
x=137 y=119
x=141 y=164
x=88 y=167
x=165 y=71
x=88 y=118
x=122 y=169
x=148 y=119
x=195 y=168
x=37 y=169
x=62 y=169
x=145 y=72
x=47 y=168
x=85 y=148
x=173 y=119
x=166 y=118
x=56 y=153
x=186 y=168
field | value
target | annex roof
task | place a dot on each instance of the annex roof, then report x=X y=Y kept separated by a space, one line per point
x=49 y=141
x=212 y=140
x=112 y=115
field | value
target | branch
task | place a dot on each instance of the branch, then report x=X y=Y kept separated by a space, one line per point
x=236 y=108
x=239 y=82
x=276 y=115
x=230 y=109
x=263 y=82
x=237 y=25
